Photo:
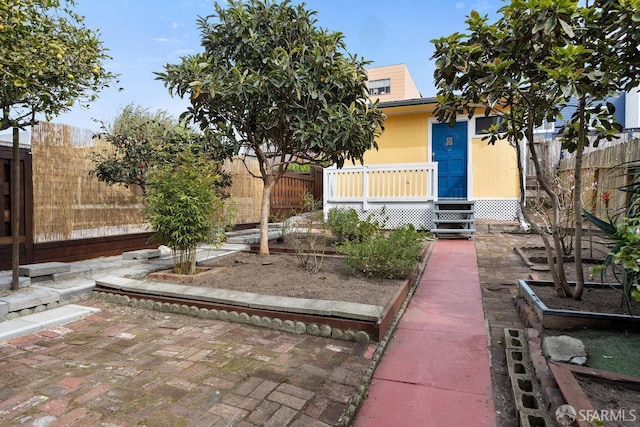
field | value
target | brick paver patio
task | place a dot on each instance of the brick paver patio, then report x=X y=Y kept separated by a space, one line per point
x=128 y=366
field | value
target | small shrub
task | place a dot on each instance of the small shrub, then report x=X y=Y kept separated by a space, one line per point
x=185 y=209
x=345 y=225
x=308 y=245
x=386 y=257
x=342 y=223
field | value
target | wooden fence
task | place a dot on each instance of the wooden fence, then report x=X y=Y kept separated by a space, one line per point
x=287 y=197
x=605 y=170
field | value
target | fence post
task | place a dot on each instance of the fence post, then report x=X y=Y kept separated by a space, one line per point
x=365 y=188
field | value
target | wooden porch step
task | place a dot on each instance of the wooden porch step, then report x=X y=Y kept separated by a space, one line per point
x=456 y=211
x=454 y=218
x=454 y=221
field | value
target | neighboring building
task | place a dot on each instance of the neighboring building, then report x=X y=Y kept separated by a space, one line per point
x=391 y=83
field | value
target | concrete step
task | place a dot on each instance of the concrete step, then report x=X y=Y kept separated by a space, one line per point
x=43 y=269
x=6 y=279
x=249 y=238
x=33 y=298
x=26 y=325
x=142 y=254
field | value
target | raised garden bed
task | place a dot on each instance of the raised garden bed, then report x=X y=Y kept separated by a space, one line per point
x=593 y=394
x=555 y=317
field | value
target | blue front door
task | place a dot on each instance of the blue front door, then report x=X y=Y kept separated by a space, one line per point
x=449 y=146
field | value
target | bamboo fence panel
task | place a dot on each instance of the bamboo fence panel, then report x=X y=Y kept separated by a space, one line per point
x=245 y=190
x=68 y=202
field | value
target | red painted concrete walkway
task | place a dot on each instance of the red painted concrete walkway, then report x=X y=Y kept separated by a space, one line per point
x=435 y=371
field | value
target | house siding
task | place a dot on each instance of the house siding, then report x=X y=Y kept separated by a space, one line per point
x=404 y=140
x=398 y=182
x=402 y=84
x=495 y=170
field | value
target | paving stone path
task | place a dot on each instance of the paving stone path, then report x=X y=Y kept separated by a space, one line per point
x=127 y=366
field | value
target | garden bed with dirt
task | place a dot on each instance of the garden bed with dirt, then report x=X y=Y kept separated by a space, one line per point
x=281 y=275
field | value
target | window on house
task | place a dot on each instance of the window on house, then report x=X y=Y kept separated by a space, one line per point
x=380 y=87
x=484 y=123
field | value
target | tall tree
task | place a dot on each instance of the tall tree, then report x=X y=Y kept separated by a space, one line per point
x=279 y=89
x=48 y=60
x=539 y=57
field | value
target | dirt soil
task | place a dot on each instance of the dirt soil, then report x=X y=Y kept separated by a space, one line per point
x=281 y=274
x=605 y=299
x=601 y=300
x=615 y=400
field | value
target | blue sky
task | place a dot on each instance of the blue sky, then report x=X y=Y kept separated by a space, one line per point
x=144 y=35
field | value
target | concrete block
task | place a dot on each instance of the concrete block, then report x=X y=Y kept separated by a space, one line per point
x=43 y=269
x=35 y=322
x=6 y=279
x=71 y=288
x=235 y=247
x=4 y=308
x=142 y=254
x=534 y=419
x=356 y=311
x=115 y=282
x=515 y=338
x=23 y=300
x=75 y=272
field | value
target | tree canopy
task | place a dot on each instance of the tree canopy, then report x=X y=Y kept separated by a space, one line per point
x=142 y=139
x=278 y=88
x=48 y=60
x=538 y=57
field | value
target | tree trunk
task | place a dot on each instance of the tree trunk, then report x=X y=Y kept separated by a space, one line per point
x=265 y=209
x=577 y=202
x=15 y=211
x=556 y=263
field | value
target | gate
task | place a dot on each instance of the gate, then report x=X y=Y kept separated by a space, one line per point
x=26 y=207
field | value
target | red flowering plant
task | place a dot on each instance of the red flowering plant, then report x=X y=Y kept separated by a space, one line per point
x=623 y=228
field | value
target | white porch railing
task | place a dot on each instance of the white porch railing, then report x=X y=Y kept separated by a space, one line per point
x=397 y=183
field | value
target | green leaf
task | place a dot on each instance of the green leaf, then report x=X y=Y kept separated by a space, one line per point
x=567 y=28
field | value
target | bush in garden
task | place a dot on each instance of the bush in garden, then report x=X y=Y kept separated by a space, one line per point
x=383 y=256
x=184 y=208
x=308 y=245
x=342 y=223
x=345 y=225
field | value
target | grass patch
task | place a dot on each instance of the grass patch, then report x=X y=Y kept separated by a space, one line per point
x=615 y=351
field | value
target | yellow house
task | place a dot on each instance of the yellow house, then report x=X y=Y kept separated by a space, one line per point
x=429 y=174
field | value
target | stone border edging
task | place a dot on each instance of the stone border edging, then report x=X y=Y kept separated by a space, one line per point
x=237 y=316
x=44 y=307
